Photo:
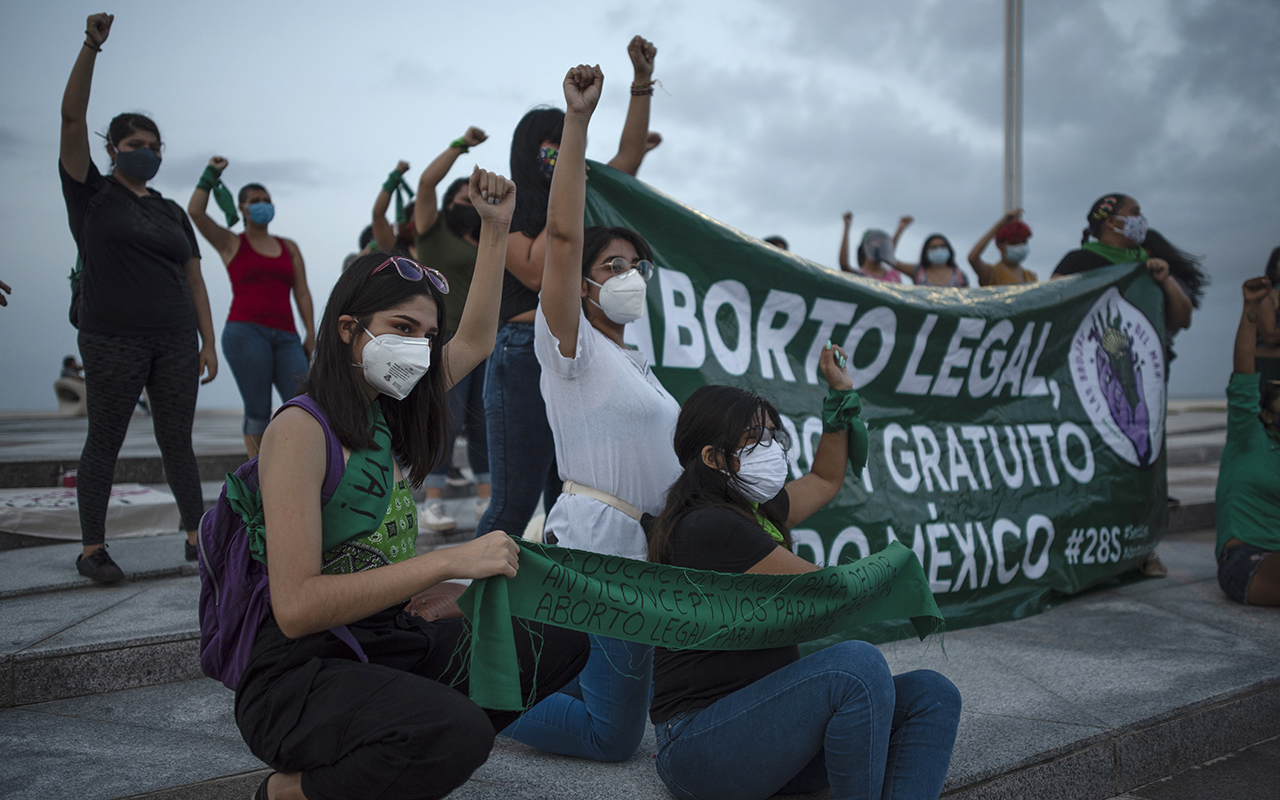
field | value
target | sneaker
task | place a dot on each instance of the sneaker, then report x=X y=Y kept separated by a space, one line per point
x=482 y=505
x=435 y=518
x=1153 y=567
x=190 y=551
x=98 y=567
x=455 y=478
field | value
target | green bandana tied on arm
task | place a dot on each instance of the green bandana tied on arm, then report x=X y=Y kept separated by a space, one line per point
x=396 y=184
x=681 y=609
x=211 y=181
x=840 y=413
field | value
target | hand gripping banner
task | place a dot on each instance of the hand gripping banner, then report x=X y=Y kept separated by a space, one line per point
x=1016 y=433
x=681 y=609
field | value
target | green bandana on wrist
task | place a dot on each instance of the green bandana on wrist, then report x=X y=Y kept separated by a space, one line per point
x=681 y=609
x=840 y=412
x=211 y=181
x=460 y=144
x=1116 y=255
x=396 y=184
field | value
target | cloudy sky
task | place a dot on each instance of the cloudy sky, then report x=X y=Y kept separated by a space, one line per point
x=777 y=117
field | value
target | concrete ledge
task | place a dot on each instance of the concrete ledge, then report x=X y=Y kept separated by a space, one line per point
x=188 y=569
x=44 y=675
x=35 y=474
x=230 y=787
x=1148 y=751
x=1192 y=517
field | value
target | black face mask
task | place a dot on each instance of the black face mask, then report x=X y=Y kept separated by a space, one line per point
x=463 y=220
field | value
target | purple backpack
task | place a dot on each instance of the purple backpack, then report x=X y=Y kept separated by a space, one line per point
x=235 y=596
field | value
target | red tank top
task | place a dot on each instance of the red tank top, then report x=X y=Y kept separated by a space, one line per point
x=260 y=287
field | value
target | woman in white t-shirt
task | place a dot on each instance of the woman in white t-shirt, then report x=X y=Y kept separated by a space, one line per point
x=612 y=422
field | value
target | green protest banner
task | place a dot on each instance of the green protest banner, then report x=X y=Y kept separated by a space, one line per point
x=1016 y=433
x=681 y=609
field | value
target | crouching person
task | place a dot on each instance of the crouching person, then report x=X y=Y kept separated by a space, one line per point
x=345 y=693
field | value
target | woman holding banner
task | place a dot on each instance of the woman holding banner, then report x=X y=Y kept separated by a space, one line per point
x=754 y=723
x=611 y=420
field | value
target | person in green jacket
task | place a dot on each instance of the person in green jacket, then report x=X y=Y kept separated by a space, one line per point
x=1248 y=497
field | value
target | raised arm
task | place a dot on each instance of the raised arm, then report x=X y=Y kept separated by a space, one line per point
x=222 y=239
x=495 y=200
x=383 y=233
x=826 y=475
x=1255 y=290
x=635 y=131
x=844 y=243
x=303 y=600
x=982 y=268
x=561 y=296
x=1267 y=330
x=907 y=267
x=427 y=207
x=1177 y=306
x=73 y=146
x=302 y=296
x=526 y=256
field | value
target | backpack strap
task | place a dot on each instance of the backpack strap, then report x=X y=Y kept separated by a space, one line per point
x=335 y=466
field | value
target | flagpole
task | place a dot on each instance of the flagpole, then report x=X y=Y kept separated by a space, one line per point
x=1012 y=104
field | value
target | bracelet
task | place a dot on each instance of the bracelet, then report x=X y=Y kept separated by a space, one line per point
x=461 y=144
x=642 y=88
x=92 y=47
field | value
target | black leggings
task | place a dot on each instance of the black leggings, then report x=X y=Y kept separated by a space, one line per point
x=116 y=368
x=398 y=728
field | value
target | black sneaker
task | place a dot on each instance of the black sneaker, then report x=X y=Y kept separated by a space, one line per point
x=191 y=551
x=99 y=567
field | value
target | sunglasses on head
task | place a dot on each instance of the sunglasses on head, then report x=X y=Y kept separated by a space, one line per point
x=621 y=266
x=411 y=270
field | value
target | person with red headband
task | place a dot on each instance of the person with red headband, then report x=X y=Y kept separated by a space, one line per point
x=1011 y=235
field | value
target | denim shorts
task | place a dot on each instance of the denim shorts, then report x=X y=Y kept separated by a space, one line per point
x=1236 y=568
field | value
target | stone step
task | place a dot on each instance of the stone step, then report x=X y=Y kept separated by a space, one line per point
x=1109 y=691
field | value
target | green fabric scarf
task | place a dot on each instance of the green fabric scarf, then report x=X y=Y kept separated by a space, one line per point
x=357 y=507
x=211 y=181
x=1116 y=255
x=840 y=412
x=681 y=609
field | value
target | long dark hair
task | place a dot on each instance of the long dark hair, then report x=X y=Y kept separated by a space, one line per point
x=924 y=251
x=1182 y=265
x=1273 y=267
x=539 y=125
x=419 y=423
x=716 y=416
x=124 y=124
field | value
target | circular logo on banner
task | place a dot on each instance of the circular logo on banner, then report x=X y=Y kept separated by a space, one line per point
x=1117 y=366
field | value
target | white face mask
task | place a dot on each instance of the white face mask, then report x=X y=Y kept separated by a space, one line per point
x=762 y=471
x=622 y=297
x=1016 y=253
x=394 y=364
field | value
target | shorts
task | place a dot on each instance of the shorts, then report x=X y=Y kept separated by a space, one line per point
x=1236 y=567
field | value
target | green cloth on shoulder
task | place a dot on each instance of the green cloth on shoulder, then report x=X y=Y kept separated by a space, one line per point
x=1248 y=496
x=681 y=609
x=1116 y=255
x=358 y=506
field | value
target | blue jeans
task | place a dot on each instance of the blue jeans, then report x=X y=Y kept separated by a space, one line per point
x=601 y=713
x=835 y=718
x=521 y=451
x=466 y=412
x=259 y=357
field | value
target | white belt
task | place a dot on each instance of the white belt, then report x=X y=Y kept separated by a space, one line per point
x=595 y=494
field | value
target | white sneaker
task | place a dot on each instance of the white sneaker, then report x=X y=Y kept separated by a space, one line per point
x=435 y=518
x=482 y=505
x=455 y=478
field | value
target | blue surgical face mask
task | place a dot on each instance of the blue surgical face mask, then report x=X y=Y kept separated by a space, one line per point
x=1017 y=253
x=939 y=255
x=261 y=213
x=141 y=164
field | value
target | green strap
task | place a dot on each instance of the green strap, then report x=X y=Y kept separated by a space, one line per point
x=681 y=609
x=357 y=507
x=840 y=412
x=460 y=144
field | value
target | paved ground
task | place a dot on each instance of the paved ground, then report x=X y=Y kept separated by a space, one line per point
x=1249 y=774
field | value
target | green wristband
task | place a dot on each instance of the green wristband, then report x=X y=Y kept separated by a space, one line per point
x=461 y=144
x=392 y=182
x=209 y=178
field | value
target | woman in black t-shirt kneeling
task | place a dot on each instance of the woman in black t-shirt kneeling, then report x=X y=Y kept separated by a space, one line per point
x=754 y=723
